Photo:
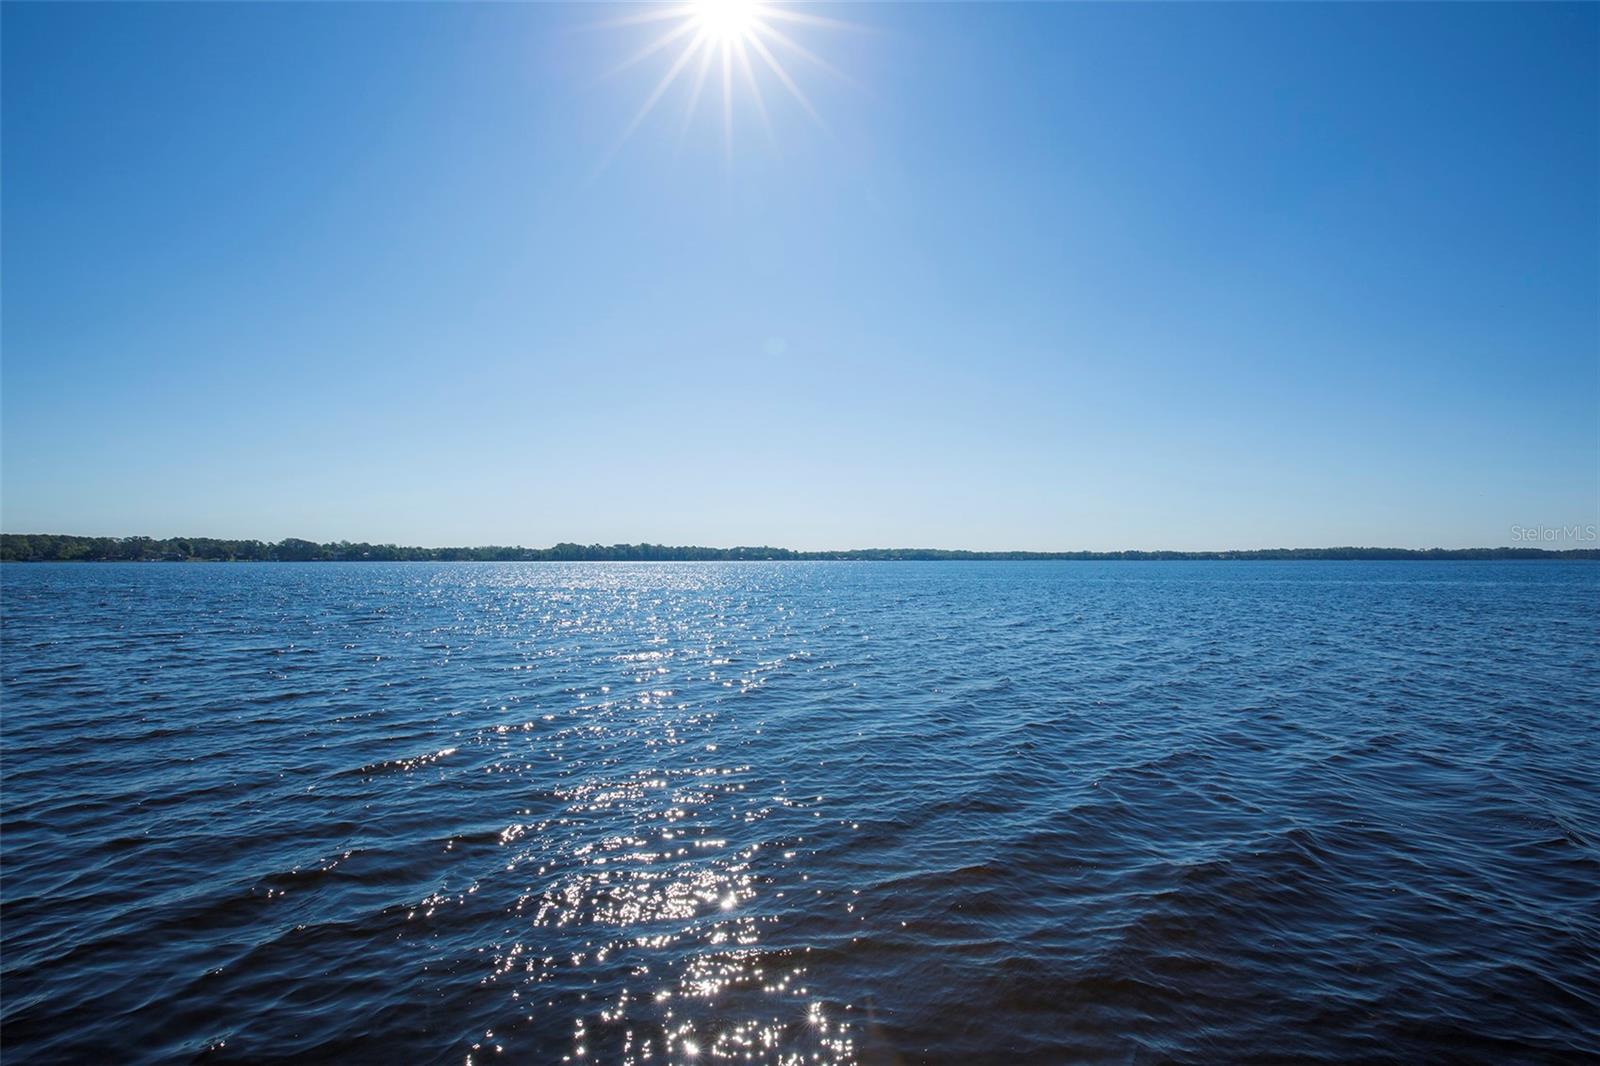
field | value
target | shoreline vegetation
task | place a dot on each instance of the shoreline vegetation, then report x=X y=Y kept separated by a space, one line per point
x=57 y=547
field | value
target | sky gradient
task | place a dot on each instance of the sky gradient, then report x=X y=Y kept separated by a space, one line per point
x=1045 y=277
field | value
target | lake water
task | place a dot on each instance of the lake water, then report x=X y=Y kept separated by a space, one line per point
x=802 y=812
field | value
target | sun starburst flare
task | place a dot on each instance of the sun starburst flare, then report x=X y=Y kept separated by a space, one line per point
x=735 y=44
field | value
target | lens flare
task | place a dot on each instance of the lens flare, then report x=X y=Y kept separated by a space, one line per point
x=736 y=45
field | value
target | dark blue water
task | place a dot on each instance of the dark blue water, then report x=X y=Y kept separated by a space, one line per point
x=810 y=812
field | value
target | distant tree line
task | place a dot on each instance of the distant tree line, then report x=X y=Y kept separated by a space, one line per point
x=57 y=547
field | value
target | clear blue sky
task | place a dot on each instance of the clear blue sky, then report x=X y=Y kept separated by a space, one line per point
x=1050 y=277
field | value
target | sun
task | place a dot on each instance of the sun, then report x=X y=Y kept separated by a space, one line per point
x=732 y=46
x=726 y=20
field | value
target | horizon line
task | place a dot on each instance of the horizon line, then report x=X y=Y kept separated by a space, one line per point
x=68 y=547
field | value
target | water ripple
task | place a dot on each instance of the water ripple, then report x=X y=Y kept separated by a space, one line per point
x=801 y=812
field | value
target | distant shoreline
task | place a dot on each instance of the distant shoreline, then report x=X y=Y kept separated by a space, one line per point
x=56 y=547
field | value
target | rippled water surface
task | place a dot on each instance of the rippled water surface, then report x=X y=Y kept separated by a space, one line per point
x=807 y=812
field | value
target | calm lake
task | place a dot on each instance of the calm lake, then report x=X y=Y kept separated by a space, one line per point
x=801 y=812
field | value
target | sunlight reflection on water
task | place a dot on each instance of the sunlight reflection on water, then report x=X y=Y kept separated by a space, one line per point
x=818 y=813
